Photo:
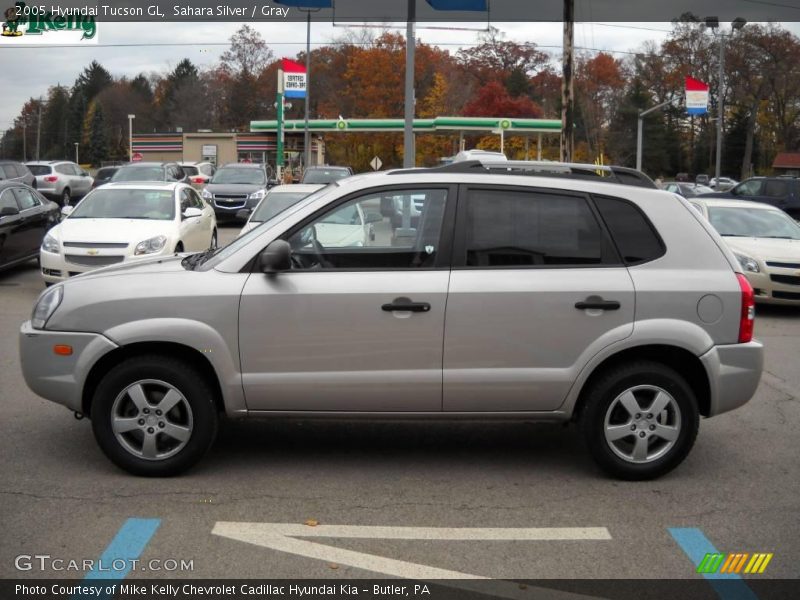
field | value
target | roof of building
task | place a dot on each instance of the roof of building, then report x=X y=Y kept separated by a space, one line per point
x=787 y=160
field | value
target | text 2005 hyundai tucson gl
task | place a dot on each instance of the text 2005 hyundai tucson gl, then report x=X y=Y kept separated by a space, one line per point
x=495 y=295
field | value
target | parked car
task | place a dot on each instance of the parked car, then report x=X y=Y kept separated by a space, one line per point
x=199 y=173
x=765 y=241
x=234 y=187
x=550 y=297
x=687 y=190
x=25 y=217
x=781 y=192
x=17 y=172
x=723 y=185
x=277 y=200
x=149 y=171
x=122 y=222
x=702 y=179
x=325 y=174
x=103 y=175
x=61 y=180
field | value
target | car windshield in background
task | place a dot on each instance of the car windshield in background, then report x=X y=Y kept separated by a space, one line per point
x=190 y=171
x=157 y=205
x=139 y=174
x=39 y=169
x=753 y=222
x=243 y=176
x=324 y=175
x=275 y=203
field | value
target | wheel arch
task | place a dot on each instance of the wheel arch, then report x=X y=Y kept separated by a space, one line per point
x=186 y=353
x=680 y=359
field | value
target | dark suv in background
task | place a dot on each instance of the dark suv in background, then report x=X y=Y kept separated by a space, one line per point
x=234 y=187
x=783 y=192
x=17 y=172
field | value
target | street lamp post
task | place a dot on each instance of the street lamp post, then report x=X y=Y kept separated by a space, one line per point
x=642 y=113
x=306 y=134
x=130 y=137
x=713 y=24
x=77 y=162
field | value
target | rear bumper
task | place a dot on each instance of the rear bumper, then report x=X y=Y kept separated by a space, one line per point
x=734 y=373
x=58 y=378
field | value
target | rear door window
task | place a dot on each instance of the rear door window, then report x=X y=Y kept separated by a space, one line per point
x=7 y=199
x=776 y=188
x=25 y=198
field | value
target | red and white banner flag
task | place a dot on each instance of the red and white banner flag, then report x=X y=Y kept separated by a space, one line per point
x=696 y=96
x=294 y=79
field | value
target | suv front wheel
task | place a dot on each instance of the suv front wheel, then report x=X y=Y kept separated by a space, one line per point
x=640 y=420
x=154 y=415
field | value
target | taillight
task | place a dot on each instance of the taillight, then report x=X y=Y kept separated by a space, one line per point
x=51 y=178
x=197 y=179
x=747 y=318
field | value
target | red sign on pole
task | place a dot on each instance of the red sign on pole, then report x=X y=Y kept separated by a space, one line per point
x=137 y=156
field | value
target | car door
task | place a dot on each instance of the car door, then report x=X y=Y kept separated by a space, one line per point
x=206 y=222
x=748 y=190
x=35 y=218
x=778 y=192
x=12 y=242
x=536 y=290
x=189 y=228
x=351 y=327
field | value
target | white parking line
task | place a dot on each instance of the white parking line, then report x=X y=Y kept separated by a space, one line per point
x=282 y=537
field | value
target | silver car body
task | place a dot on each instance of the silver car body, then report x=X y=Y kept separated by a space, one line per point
x=63 y=176
x=495 y=343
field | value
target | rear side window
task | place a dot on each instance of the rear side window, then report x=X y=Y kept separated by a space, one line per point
x=635 y=237
x=510 y=228
x=775 y=188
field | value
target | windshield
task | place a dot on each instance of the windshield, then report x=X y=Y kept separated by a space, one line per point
x=39 y=169
x=105 y=203
x=139 y=174
x=274 y=203
x=244 y=176
x=324 y=175
x=753 y=222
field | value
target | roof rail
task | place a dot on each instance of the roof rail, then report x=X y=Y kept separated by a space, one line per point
x=607 y=173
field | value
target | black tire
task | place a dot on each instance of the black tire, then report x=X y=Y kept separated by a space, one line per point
x=178 y=247
x=214 y=241
x=639 y=376
x=203 y=419
x=65 y=197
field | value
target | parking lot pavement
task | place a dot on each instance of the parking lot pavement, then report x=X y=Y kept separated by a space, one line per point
x=457 y=497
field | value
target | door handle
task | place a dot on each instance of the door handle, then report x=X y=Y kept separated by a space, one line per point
x=598 y=304
x=406 y=305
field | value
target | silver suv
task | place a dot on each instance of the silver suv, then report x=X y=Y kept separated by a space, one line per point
x=61 y=180
x=516 y=296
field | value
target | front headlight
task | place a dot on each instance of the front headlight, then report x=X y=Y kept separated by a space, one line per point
x=750 y=265
x=206 y=194
x=257 y=195
x=50 y=244
x=154 y=244
x=46 y=306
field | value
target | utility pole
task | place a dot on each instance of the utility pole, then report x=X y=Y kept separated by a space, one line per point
x=409 y=157
x=279 y=141
x=306 y=133
x=39 y=129
x=567 y=98
x=642 y=113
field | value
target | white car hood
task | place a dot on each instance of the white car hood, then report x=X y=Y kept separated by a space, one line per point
x=131 y=231
x=766 y=248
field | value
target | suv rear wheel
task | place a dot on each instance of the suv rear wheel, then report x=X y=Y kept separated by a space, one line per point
x=154 y=415
x=640 y=420
x=65 y=197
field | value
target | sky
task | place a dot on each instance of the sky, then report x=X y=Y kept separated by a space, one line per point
x=33 y=69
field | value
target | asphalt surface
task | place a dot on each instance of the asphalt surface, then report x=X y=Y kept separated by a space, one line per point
x=740 y=487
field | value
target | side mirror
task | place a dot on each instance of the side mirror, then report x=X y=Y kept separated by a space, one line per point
x=276 y=257
x=192 y=212
x=243 y=214
x=67 y=210
x=373 y=218
x=9 y=211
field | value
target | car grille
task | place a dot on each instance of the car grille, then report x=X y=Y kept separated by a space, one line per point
x=230 y=196
x=230 y=203
x=786 y=295
x=93 y=261
x=787 y=279
x=95 y=245
x=783 y=265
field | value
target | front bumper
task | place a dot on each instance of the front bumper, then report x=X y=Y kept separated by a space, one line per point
x=734 y=372
x=56 y=267
x=769 y=291
x=55 y=377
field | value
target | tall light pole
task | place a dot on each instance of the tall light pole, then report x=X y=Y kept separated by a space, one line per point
x=77 y=162
x=642 y=113
x=306 y=134
x=409 y=156
x=130 y=137
x=713 y=24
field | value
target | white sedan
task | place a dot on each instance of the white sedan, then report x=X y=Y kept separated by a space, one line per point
x=120 y=222
x=766 y=242
x=278 y=199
